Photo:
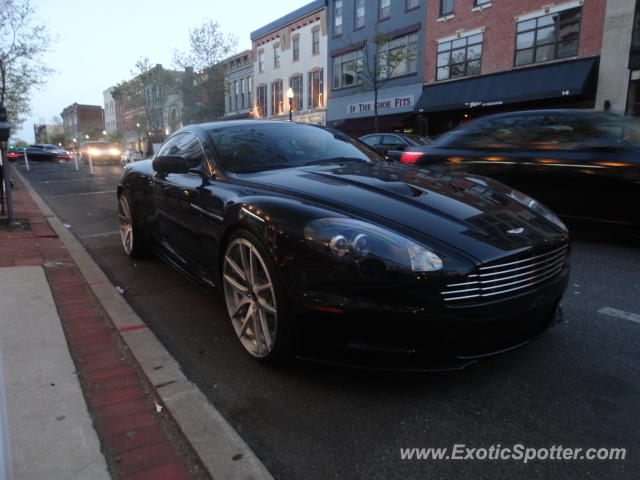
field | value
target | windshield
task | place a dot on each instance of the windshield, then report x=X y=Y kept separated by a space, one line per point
x=265 y=146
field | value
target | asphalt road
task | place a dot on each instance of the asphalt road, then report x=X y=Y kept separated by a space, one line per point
x=576 y=386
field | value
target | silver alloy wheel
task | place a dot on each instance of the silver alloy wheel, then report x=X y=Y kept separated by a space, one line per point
x=250 y=297
x=126 y=225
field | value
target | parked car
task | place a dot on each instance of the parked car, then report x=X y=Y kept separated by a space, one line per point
x=393 y=144
x=585 y=165
x=99 y=151
x=320 y=247
x=37 y=152
x=129 y=156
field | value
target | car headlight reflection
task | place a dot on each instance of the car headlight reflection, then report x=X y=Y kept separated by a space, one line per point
x=114 y=151
x=355 y=241
x=537 y=207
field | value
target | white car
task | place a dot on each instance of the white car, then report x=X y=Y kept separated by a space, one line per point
x=129 y=156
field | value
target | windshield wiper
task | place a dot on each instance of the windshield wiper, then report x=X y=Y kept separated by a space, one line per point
x=336 y=160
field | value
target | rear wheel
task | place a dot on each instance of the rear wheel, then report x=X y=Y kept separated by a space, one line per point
x=255 y=299
x=131 y=234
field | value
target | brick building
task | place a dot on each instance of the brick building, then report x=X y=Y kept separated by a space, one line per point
x=82 y=121
x=487 y=56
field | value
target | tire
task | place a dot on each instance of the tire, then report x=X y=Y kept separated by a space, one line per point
x=255 y=299
x=132 y=235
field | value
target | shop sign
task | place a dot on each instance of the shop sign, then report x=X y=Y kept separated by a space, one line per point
x=387 y=104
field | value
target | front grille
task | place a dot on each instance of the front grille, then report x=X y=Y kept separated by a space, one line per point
x=510 y=274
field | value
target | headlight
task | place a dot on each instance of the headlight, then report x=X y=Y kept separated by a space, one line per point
x=356 y=241
x=114 y=151
x=537 y=207
x=94 y=151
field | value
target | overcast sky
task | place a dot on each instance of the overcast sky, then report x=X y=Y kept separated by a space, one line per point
x=99 y=42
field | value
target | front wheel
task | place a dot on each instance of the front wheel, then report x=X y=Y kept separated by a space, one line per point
x=255 y=299
x=131 y=236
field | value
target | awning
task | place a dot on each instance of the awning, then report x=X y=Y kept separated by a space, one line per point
x=558 y=80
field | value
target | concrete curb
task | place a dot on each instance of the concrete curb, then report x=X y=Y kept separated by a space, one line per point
x=221 y=449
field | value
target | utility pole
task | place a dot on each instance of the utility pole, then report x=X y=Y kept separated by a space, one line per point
x=6 y=167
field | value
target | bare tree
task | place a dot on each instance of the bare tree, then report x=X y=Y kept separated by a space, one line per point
x=204 y=93
x=22 y=44
x=375 y=68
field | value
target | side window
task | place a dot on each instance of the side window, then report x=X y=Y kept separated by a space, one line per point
x=372 y=140
x=171 y=146
x=393 y=142
x=190 y=148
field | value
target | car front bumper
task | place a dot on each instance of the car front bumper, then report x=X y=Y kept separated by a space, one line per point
x=410 y=337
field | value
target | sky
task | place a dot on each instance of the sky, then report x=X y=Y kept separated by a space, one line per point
x=98 y=43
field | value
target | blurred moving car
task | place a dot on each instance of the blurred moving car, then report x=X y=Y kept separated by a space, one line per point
x=38 y=152
x=585 y=165
x=393 y=144
x=99 y=151
x=319 y=245
x=129 y=156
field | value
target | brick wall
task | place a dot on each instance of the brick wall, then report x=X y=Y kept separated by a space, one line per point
x=500 y=30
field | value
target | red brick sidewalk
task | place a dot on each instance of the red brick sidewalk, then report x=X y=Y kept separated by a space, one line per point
x=137 y=441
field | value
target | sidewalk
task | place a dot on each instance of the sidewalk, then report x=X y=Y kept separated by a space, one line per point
x=101 y=421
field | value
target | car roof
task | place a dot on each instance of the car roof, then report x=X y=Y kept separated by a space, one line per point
x=202 y=128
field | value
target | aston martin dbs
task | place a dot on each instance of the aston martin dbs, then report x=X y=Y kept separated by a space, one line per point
x=320 y=247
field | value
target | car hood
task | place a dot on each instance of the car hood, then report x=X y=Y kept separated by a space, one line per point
x=471 y=213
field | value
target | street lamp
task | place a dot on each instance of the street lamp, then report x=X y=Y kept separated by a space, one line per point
x=86 y=137
x=104 y=133
x=139 y=139
x=290 y=96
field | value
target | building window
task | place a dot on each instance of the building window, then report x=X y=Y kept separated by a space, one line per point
x=261 y=62
x=242 y=91
x=398 y=56
x=261 y=100
x=477 y=3
x=295 y=46
x=548 y=37
x=236 y=96
x=249 y=90
x=460 y=57
x=347 y=69
x=359 y=14
x=384 y=9
x=337 y=17
x=315 y=41
x=635 y=39
x=411 y=4
x=276 y=56
x=277 y=106
x=295 y=83
x=316 y=89
x=446 y=7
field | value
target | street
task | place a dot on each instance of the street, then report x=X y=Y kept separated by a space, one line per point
x=575 y=386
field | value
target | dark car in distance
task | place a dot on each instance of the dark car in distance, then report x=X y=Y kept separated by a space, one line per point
x=393 y=144
x=321 y=248
x=39 y=152
x=585 y=165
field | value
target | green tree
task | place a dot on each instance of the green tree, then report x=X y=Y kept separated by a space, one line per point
x=22 y=45
x=55 y=131
x=204 y=92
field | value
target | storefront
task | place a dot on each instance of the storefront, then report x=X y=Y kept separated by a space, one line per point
x=569 y=84
x=354 y=114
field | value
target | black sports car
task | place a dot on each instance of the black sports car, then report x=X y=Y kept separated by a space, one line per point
x=39 y=152
x=321 y=247
x=585 y=165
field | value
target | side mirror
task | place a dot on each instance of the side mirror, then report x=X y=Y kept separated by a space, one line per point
x=172 y=164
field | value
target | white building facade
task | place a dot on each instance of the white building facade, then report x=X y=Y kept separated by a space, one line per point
x=290 y=57
x=238 y=86
x=110 y=119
